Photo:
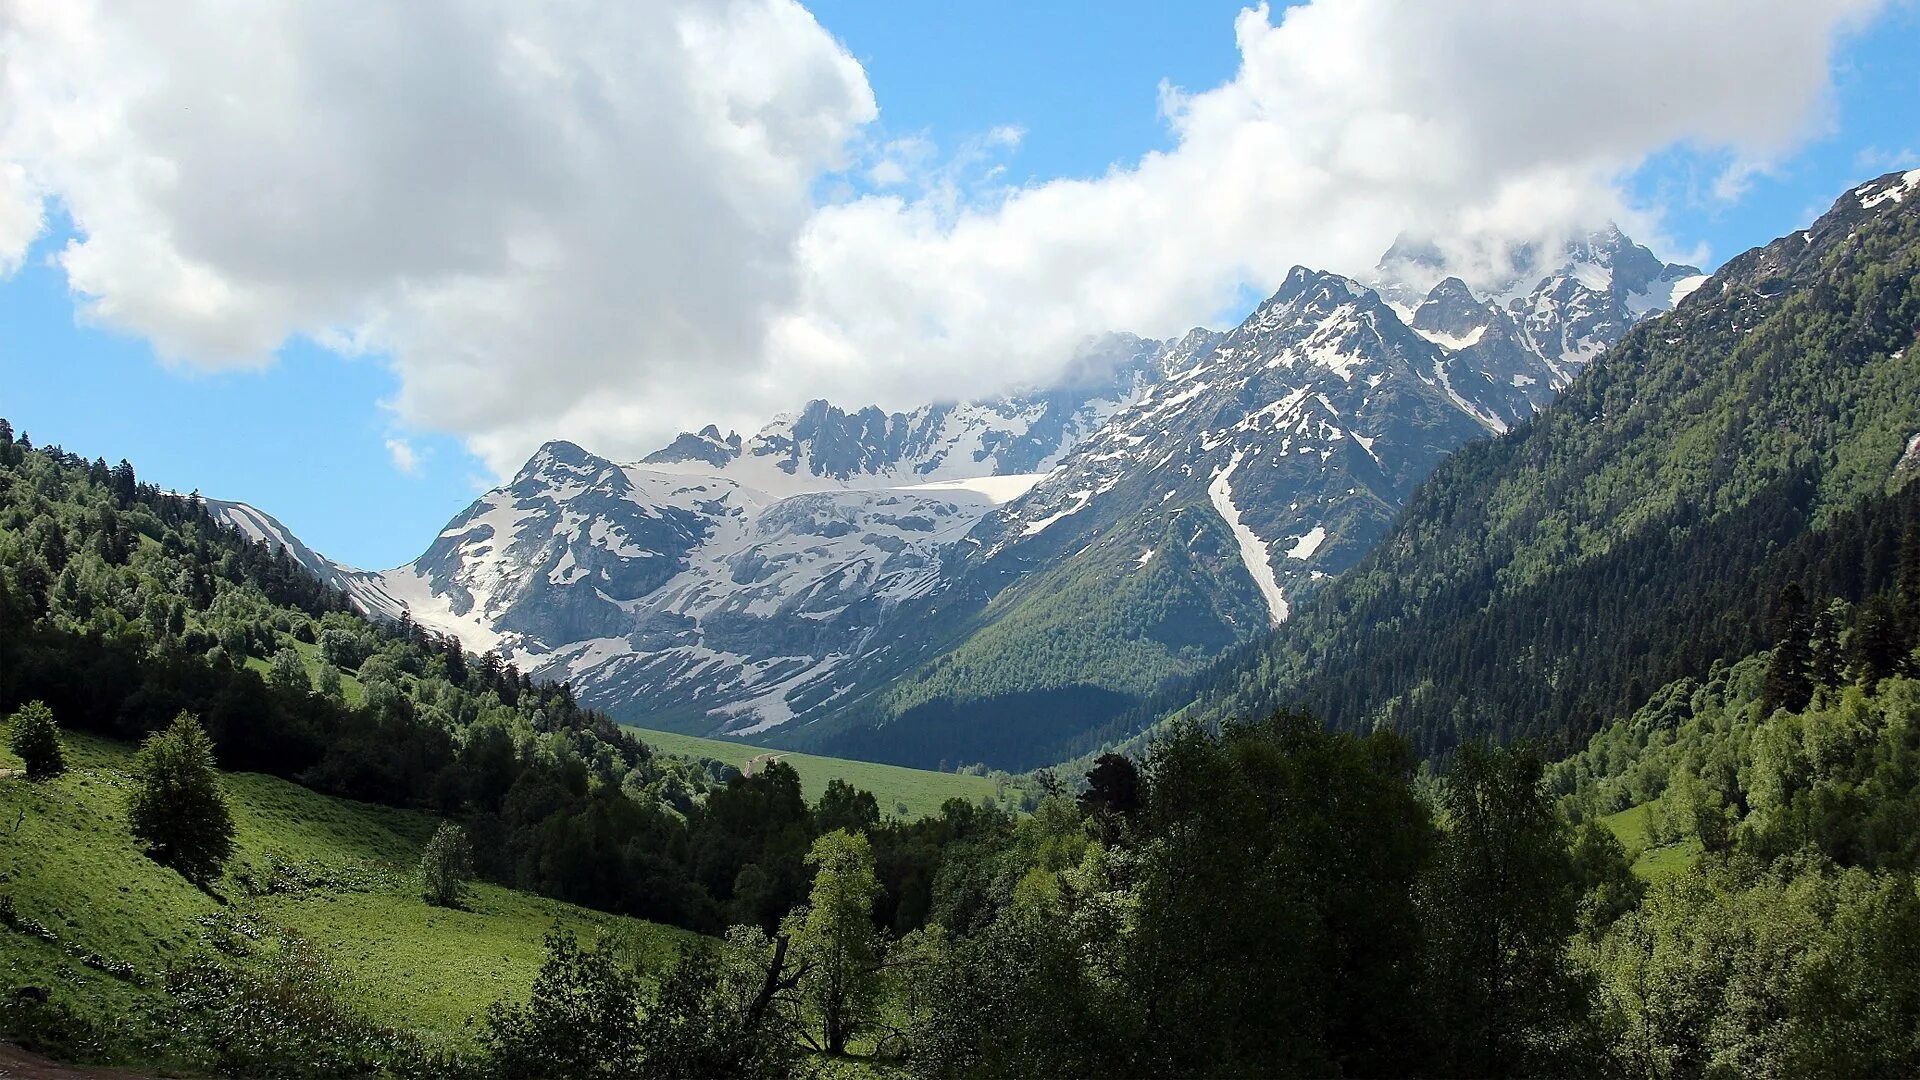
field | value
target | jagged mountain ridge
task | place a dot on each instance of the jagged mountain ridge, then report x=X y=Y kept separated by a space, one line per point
x=1543 y=582
x=847 y=570
x=1271 y=458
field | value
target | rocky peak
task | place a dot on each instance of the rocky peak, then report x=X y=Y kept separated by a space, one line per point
x=1452 y=309
x=704 y=445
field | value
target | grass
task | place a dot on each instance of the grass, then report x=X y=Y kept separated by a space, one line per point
x=350 y=688
x=900 y=791
x=1651 y=863
x=72 y=865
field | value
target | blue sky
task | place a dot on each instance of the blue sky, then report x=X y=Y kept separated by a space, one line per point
x=307 y=436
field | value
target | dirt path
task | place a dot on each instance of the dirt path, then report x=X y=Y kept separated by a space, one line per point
x=759 y=761
x=17 y=1064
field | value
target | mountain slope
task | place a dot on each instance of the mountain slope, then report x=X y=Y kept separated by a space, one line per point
x=1547 y=578
x=982 y=581
x=1268 y=461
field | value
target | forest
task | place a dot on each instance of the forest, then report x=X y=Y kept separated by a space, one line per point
x=1254 y=898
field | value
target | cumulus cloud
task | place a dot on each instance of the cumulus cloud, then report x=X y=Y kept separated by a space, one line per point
x=405 y=457
x=604 y=220
x=553 y=218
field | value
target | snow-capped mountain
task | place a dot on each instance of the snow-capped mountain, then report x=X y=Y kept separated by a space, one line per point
x=897 y=583
x=366 y=589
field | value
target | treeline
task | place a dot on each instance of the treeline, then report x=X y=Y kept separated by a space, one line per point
x=122 y=606
x=1271 y=899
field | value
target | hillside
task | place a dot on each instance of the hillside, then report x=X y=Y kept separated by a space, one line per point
x=900 y=792
x=340 y=875
x=1543 y=580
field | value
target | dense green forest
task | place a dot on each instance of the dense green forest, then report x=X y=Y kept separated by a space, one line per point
x=1267 y=898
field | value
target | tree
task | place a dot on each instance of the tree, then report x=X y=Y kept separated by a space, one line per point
x=582 y=1018
x=178 y=806
x=289 y=672
x=456 y=660
x=843 y=806
x=36 y=739
x=327 y=682
x=446 y=866
x=1826 y=665
x=1787 y=684
x=1877 y=646
x=837 y=939
x=1501 y=906
x=1113 y=787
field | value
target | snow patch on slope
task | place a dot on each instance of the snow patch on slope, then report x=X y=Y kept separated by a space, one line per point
x=1253 y=550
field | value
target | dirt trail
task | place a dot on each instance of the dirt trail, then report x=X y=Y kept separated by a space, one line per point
x=759 y=761
x=17 y=1064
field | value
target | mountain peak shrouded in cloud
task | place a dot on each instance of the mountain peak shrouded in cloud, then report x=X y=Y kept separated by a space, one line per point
x=603 y=219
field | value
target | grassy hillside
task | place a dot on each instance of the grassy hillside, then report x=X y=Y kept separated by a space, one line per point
x=901 y=792
x=346 y=884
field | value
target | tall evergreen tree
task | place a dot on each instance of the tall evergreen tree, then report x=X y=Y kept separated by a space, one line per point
x=1826 y=665
x=1878 y=644
x=1788 y=684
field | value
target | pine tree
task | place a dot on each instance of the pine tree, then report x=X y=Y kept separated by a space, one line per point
x=36 y=740
x=1787 y=684
x=456 y=661
x=1826 y=665
x=1907 y=576
x=124 y=487
x=1877 y=642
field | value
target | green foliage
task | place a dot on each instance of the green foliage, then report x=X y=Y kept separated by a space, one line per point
x=581 y=1020
x=1501 y=903
x=178 y=807
x=288 y=671
x=36 y=739
x=446 y=865
x=836 y=939
x=1799 y=970
x=284 y=1017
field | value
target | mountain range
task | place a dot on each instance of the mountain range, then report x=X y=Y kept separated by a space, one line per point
x=991 y=580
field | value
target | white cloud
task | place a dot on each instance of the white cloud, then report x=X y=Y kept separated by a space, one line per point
x=553 y=217
x=405 y=458
x=598 y=220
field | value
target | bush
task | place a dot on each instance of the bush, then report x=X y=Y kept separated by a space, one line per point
x=36 y=738
x=582 y=1018
x=446 y=866
x=178 y=807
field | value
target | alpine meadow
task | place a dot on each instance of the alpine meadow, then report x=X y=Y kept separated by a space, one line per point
x=1322 y=538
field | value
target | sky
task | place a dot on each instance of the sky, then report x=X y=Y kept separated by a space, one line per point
x=352 y=263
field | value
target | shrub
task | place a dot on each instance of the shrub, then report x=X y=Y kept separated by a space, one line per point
x=178 y=807
x=446 y=865
x=36 y=738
